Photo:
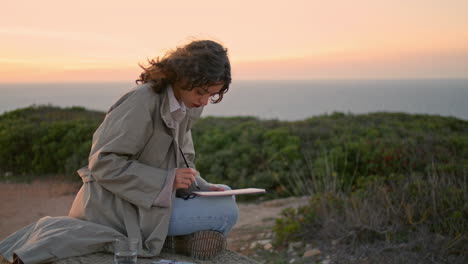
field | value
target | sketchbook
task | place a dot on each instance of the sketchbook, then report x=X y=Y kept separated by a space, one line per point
x=231 y=192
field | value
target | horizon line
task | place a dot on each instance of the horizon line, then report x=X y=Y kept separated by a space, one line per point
x=259 y=79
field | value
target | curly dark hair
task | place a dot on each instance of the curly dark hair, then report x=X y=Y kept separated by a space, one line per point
x=201 y=63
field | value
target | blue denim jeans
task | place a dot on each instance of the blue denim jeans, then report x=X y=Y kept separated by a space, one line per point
x=203 y=213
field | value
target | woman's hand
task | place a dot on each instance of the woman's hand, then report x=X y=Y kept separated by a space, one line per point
x=215 y=188
x=184 y=177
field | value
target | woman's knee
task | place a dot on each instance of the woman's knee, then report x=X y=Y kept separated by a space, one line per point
x=232 y=215
x=231 y=211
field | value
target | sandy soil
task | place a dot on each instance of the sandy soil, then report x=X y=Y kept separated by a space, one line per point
x=22 y=204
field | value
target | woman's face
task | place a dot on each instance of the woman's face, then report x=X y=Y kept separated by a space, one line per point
x=198 y=96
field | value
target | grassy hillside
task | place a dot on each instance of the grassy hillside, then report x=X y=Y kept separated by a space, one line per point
x=379 y=182
x=283 y=157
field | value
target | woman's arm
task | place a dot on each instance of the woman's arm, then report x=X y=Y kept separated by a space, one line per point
x=117 y=142
x=189 y=152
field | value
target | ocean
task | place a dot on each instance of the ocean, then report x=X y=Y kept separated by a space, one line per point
x=283 y=100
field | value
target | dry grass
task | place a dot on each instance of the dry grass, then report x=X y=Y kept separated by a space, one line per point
x=399 y=219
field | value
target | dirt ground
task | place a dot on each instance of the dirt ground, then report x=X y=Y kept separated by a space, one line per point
x=22 y=204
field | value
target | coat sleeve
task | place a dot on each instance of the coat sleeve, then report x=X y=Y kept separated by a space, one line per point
x=116 y=145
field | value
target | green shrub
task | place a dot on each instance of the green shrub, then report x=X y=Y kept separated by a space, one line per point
x=397 y=209
x=244 y=152
x=45 y=140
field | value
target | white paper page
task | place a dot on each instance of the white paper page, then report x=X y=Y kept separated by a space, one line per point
x=231 y=192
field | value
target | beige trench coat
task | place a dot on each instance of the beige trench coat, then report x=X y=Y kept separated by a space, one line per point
x=132 y=151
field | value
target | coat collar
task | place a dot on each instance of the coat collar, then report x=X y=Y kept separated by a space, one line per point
x=192 y=113
x=165 y=111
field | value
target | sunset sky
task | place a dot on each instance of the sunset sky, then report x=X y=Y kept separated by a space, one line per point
x=60 y=40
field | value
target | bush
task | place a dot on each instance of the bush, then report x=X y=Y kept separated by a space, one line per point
x=344 y=151
x=244 y=152
x=44 y=140
x=412 y=212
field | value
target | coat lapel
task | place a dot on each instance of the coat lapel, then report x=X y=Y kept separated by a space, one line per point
x=169 y=121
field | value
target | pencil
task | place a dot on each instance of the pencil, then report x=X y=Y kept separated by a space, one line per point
x=186 y=164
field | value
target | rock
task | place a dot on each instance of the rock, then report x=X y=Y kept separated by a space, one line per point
x=8 y=174
x=311 y=253
x=264 y=242
x=296 y=245
x=253 y=245
x=226 y=257
x=326 y=261
x=248 y=237
x=334 y=242
x=294 y=254
x=268 y=246
x=260 y=243
x=292 y=260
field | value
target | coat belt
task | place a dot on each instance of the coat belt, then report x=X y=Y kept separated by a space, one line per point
x=85 y=174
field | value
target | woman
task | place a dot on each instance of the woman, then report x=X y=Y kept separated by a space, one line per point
x=137 y=176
